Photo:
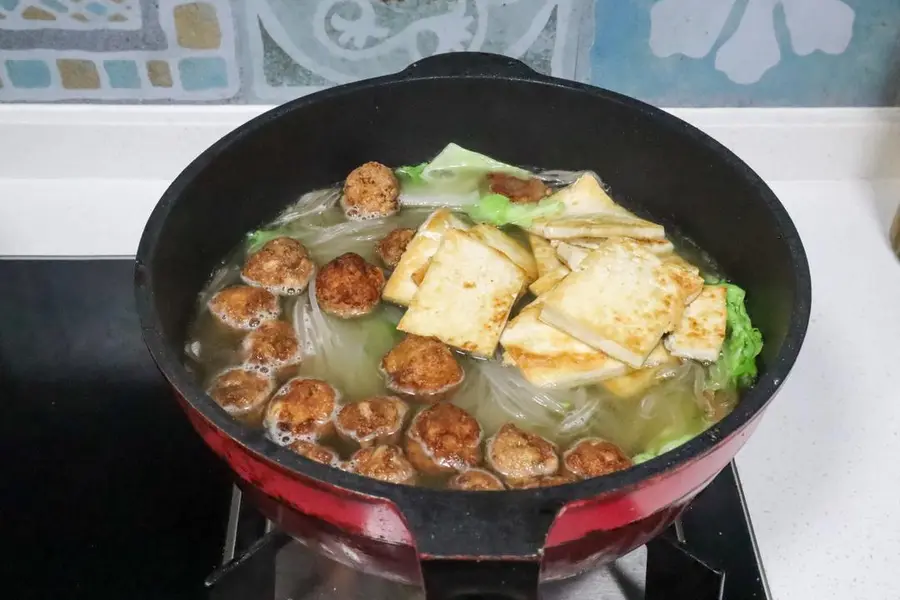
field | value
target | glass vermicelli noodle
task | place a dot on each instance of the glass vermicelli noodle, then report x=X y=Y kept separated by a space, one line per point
x=554 y=319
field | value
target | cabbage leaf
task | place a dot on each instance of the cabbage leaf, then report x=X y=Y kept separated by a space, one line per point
x=736 y=367
x=498 y=210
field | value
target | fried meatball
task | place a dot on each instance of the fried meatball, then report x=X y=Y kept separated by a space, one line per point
x=281 y=266
x=593 y=457
x=271 y=346
x=542 y=481
x=242 y=392
x=302 y=409
x=423 y=368
x=518 y=190
x=349 y=287
x=443 y=438
x=313 y=451
x=516 y=454
x=392 y=247
x=244 y=307
x=376 y=420
x=386 y=463
x=476 y=480
x=370 y=191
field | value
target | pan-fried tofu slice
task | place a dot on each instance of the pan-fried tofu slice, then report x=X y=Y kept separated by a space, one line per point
x=546 y=282
x=404 y=281
x=637 y=381
x=571 y=255
x=599 y=226
x=466 y=295
x=513 y=250
x=548 y=357
x=660 y=247
x=701 y=331
x=622 y=300
x=544 y=254
x=586 y=196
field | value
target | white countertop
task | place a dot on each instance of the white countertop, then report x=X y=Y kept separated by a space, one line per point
x=820 y=474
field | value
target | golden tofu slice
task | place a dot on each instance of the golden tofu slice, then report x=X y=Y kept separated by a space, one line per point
x=546 y=282
x=598 y=226
x=513 y=250
x=571 y=255
x=548 y=357
x=466 y=295
x=637 y=381
x=586 y=196
x=544 y=254
x=659 y=247
x=701 y=331
x=622 y=300
x=404 y=281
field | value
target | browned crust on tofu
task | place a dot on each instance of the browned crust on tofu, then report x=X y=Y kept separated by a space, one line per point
x=423 y=368
x=370 y=191
x=375 y=420
x=516 y=189
x=476 y=480
x=244 y=307
x=516 y=454
x=444 y=438
x=282 y=266
x=349 y=287
x=385 y=463
x=301 y=409
x=391 y=248
x=541 y=481
x=593 y=457
x=316 y=452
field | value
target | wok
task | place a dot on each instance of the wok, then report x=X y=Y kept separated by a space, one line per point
x=657 y=165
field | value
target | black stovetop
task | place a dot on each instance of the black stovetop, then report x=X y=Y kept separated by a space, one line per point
x=107 y=491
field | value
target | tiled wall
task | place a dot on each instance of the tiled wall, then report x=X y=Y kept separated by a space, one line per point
x=669 y=52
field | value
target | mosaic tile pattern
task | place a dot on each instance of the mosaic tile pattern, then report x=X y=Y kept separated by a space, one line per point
x=70 y=14
x=298 y=47
x=186 y=52
x=667 y=52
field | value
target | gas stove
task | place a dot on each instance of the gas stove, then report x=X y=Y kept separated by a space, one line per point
x=708 y=554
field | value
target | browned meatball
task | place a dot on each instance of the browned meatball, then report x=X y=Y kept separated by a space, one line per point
x=376 y=420
x=386 y=463
x=281 y=266
x=349 y=287
x=271 y=346
x=443 y=438
x=392 y=247
x=242 y=392
x=370 y=191
x=423 y=368
x=302 y=409
x=518 y=190
x=315 y=452
x=476 y=480
x=244 y=307
x=516 y=454
x=593 y=457
x=541 y=481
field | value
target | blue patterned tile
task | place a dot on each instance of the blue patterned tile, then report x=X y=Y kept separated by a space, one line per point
x=28 y=74
x=749 y=52
x=203 y=73
x=123 y=74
